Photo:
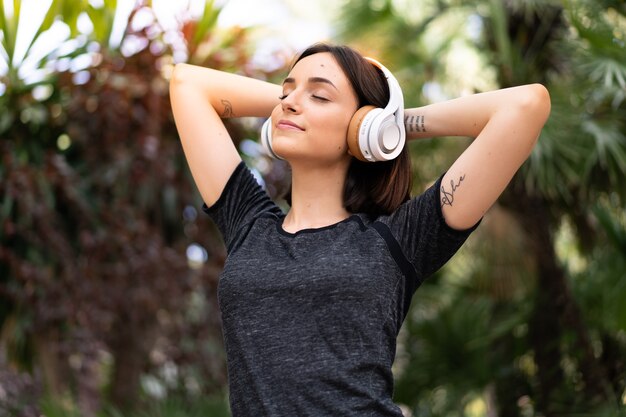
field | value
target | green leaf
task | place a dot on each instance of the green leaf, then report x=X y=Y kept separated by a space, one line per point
x=102 y=19
x=48 y=21
x=614 y=230
x=9 y=29
x=70 y=10
x=610 y=145
x=6 y=120
x=609 y=72
x=207 y=21
x=499 y=22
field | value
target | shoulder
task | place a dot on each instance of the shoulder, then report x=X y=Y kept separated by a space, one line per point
x=242 y=201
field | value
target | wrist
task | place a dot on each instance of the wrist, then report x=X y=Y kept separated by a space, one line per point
x=415 y=123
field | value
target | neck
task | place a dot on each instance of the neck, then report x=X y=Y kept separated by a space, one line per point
x=316 y=197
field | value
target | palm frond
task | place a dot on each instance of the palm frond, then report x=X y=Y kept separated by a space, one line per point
x=8 y=27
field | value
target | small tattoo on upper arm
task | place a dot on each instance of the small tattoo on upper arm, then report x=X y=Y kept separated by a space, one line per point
x=414 y=123
x=447 y=197
x=228 y=109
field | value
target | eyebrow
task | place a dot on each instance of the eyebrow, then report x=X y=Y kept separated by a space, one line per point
x=312 y=80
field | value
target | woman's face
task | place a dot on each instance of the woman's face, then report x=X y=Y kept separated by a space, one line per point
x=311 y=122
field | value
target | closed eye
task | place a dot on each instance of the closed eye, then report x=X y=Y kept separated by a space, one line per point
x=319 y=98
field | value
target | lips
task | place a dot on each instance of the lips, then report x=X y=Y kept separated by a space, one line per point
x=288 y=125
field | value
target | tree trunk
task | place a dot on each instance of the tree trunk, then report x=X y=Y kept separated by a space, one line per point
x=53 y=370
x=88 y=377
x=555 y=310
x=614 y=360
x=130 y=351
x=510 y=390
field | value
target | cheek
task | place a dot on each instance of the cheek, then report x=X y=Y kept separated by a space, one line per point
x=333 y=125
x=275 y=113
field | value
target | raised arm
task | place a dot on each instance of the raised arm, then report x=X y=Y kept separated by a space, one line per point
x=506 y=124
x=200 y=97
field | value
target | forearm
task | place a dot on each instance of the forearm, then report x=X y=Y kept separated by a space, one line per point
x=468 y=116
x=229 y=94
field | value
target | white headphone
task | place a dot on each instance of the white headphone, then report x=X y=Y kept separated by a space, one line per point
x=374 y=134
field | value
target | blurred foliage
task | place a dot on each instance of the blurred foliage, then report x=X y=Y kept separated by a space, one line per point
x=528 y=318
x=108 y=272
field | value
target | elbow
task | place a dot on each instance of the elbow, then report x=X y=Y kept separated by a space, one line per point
x=178 y=75
x=535 y=103
x=535 y=110
x=542 y=99
x=188 y=79
x=184 y=81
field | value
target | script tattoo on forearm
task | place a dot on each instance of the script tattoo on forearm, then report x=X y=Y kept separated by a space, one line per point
x=447 y=196
x=228 y=109
x=414 y=123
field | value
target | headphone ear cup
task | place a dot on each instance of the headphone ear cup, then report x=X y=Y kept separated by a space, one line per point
x=266 y=138
x=354 y=130
x=266 y=133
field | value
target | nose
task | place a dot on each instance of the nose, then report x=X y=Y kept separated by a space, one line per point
x=290 y=103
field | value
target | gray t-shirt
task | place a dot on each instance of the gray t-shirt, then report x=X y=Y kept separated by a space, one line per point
x=310 y=319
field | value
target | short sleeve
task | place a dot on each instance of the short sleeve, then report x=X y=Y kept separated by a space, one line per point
x=422 y=234
x=241 y=201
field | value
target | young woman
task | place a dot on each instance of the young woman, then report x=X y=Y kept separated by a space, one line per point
x=312 y=300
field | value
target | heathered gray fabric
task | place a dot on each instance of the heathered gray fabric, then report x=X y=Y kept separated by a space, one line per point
x=310 y=319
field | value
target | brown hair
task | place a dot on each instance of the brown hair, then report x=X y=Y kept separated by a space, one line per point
x=371 y=188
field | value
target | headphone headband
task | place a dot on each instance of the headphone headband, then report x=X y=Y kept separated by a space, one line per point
x=396 y=99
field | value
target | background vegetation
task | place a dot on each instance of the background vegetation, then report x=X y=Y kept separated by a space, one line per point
x=108 y=271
